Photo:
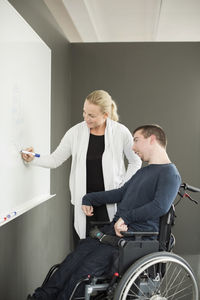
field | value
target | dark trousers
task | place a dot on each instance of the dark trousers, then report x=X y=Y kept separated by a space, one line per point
x=90 y=258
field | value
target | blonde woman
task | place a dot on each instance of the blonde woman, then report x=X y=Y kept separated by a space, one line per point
x=97 y=146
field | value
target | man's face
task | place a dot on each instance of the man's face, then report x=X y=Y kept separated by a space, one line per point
x=141 y=145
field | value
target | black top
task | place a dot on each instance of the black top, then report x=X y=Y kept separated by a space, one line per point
x=95 y=182
x=94 y=176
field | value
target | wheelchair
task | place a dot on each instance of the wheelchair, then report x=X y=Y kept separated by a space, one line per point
x=148 y=270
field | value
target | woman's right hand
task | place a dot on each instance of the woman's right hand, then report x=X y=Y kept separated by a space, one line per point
x=28 y=157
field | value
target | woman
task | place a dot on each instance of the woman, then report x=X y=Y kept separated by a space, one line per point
x=97 y=146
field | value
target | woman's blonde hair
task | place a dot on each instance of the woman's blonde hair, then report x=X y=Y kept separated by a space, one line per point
x=105 y=102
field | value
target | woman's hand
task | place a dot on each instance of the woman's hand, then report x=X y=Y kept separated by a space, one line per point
x=120 y=226
x=28 y=157
x=88 y=210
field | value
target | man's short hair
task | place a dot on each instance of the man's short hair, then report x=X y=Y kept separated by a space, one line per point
x=148 y=130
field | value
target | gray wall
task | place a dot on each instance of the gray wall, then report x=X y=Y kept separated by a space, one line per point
x=151 y=83
x=34 y=241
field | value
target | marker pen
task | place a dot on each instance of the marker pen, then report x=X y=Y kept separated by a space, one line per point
x=27 y=152
x=12 y=214
x=9 y=216
x=3 y=219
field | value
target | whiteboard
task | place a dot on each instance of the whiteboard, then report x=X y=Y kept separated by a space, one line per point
x=25 y=74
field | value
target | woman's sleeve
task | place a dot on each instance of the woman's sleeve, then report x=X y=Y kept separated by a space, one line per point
x=134 y=162
x=61 y=154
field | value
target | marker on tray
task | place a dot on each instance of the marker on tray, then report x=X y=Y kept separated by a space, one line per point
x=27 y=152
x=2 y=219
x=9 y=216
x=12 y=214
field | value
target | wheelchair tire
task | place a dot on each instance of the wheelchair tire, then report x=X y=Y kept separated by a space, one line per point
x=158 y=276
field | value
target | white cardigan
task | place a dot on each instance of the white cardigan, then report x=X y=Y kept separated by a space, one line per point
x=118 y=142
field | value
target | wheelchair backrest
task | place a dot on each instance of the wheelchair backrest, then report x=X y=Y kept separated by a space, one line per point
x=166 y=223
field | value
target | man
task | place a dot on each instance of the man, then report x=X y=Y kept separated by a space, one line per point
x=141 y=202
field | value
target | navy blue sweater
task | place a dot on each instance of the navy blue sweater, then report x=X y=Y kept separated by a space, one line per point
x=144 y=198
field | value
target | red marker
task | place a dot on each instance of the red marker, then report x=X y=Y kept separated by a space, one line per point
x=3 y=219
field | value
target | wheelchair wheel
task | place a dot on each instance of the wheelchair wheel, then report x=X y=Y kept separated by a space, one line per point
x=158 y=276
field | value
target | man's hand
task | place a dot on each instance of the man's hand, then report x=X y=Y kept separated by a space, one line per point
x=120 y=226
x=88 y=210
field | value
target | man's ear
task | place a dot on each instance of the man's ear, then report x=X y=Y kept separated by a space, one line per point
x=152 y=139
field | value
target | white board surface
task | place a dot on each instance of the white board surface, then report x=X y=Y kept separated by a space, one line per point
x=25 y=76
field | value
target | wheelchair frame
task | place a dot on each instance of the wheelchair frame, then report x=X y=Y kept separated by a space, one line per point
x=148 y=270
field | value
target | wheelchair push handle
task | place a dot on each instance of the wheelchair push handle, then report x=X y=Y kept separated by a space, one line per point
x=190 y=188
x=186 y=187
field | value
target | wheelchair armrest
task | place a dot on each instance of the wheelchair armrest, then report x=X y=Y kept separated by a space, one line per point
x=138 y=235
x=96 y=223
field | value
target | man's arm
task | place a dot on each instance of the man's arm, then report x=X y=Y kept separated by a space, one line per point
x=167 y=189
x=105 y=197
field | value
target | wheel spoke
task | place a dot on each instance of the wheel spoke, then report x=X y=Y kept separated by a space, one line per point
x=172 y=278
x=177 y=284
x=158 y=276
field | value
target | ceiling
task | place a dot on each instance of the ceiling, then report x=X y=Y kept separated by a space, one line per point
x=127 y=20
